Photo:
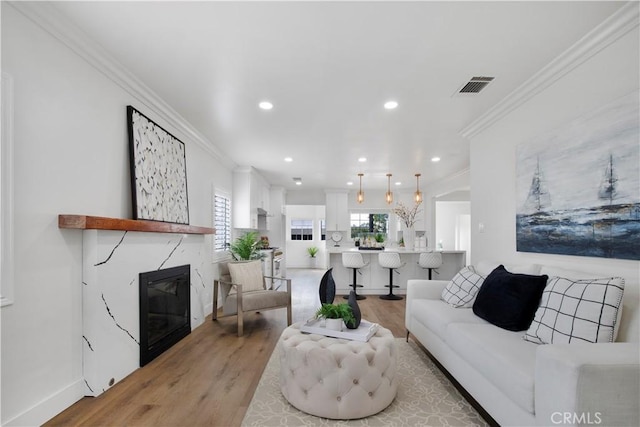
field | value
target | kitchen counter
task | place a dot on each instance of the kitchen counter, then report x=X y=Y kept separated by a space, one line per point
x=374 y=277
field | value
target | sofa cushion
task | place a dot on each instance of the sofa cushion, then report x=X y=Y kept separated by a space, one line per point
x=577 y=311
x=552 y=271
x=502 y=357
x=461 y=291
x=509 y=300
x=437 y=315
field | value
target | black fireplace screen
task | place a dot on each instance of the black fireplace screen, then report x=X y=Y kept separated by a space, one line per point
x=165 y=310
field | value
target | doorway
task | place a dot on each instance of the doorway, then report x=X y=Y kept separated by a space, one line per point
x=453 y=222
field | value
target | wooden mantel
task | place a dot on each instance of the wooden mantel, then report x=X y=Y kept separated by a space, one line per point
x=86 y=222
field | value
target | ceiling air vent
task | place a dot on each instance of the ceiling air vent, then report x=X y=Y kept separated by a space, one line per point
x=476 y=84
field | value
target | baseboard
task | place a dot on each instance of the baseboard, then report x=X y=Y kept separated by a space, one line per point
x=48 y=408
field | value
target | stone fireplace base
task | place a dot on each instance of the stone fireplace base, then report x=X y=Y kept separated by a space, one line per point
x=112 y=261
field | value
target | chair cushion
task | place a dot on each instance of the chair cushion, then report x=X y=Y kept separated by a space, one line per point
x=255 y=300
x=247 y=274
x=577 y=311
x=461 y=291
x=509 y=300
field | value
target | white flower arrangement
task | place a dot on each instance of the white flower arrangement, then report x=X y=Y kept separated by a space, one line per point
x=408 y=216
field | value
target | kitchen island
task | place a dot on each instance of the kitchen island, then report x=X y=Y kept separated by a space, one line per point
x=374 y=277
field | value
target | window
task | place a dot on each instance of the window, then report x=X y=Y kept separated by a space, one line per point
x=362 y=223
x=222 y=222
x=323 y=229
x=301 y=229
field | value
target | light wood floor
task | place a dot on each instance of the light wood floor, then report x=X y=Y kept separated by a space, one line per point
x=208 y=378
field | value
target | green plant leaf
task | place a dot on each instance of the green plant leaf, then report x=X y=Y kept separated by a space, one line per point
x=245 y=247
x=339 y=311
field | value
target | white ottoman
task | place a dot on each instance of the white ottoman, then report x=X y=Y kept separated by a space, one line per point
x=337 y=378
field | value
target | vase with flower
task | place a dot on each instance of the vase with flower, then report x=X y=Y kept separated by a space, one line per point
x=408 y=218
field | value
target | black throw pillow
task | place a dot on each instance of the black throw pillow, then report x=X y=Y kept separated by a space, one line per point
x=509 y=300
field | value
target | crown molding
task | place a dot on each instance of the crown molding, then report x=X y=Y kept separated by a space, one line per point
x=52 y=21
x=461 y=174
x=611 y=29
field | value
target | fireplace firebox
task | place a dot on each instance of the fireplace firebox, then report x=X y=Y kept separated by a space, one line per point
x=165 y=310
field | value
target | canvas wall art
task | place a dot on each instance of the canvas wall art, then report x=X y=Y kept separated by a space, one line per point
x=158 y=171
x=578 y=187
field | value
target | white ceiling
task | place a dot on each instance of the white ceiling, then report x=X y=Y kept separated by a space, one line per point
x=328 y=67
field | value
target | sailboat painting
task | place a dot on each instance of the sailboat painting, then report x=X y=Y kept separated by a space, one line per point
x=578 y=187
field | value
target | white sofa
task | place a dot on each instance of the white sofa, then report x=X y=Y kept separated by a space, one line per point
x=520 y=383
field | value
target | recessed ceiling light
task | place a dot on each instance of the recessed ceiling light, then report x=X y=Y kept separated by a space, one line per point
x=390 y=105
x=362 y=159
x=288 y=159
x=435 y=159
x=298 y=181
x=398 y=183
x=350 y=183
x=265 y=105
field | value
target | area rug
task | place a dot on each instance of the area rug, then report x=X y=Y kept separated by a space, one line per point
x=425 y=398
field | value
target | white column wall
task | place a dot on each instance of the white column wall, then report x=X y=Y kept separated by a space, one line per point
x=71 y=156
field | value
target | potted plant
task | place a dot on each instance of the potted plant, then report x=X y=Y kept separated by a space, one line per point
x=312 y=251
x=379 y=240
x=245 y=247
x=335 y=315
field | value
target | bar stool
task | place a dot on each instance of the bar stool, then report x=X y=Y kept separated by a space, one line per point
x=356 y=261
x=392 y=262
x=430 y=261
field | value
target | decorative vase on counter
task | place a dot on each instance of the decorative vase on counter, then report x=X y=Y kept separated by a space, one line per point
x=409 y=238
x=353 y=303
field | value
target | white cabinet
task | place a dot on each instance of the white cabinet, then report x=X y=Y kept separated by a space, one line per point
x=249 y=195
x=265 y=198
x=337 y=211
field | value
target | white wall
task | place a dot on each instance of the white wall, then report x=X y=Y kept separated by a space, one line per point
x=296 y=250
x=70 y=157
x=608 y=75
x=449 y=225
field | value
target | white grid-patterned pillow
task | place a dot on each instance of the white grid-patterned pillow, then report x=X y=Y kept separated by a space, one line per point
x=577 y=311
x=461 y=291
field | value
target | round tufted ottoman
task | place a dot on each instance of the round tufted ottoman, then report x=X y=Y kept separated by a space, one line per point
x=337 y=378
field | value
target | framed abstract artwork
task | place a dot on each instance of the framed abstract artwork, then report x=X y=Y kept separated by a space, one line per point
x=578 y=187
x=158 y=171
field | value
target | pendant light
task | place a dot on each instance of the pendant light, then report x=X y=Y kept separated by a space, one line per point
x=388 y=197
x=360 y=197
x=417 y=197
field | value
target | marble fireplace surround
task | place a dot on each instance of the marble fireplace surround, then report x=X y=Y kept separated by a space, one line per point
x=114 y=253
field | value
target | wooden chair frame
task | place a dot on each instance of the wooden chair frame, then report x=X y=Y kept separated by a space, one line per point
x=240 y=312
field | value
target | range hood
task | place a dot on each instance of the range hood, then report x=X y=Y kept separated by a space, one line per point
x=262 y=212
